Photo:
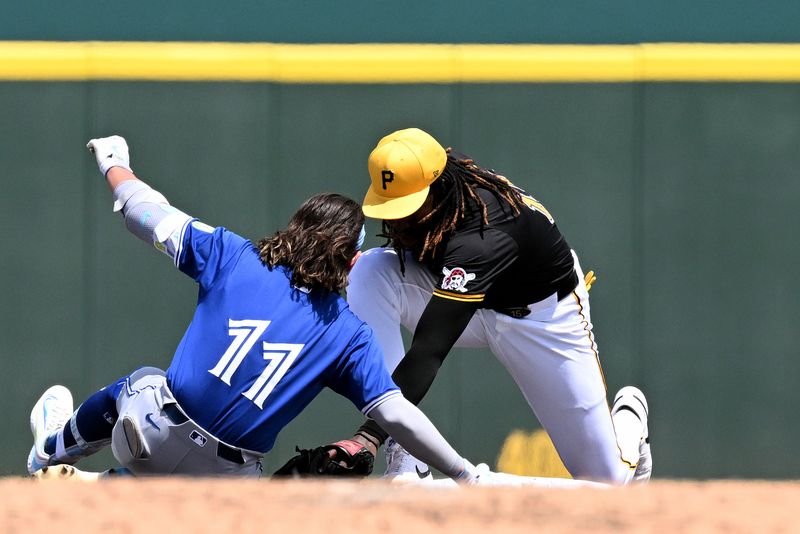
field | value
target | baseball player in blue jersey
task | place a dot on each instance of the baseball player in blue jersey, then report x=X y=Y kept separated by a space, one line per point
x=270 y=331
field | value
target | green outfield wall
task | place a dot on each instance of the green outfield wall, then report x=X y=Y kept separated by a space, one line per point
x=681 y=196
x=444 y=21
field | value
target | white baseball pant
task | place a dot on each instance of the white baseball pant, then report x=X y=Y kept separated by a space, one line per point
x=550 y=353
x=152 y=435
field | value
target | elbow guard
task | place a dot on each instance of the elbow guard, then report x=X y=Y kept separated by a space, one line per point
x=149 y=216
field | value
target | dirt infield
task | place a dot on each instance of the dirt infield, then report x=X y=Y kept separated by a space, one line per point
x=199 y=506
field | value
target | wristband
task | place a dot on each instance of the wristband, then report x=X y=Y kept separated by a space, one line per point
x=371 y=439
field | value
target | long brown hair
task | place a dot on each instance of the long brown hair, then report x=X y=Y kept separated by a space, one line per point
x=451 y=193
x=319 y=242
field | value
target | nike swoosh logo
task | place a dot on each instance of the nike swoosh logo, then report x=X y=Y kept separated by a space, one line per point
x=44 y=406
x=47 y=401
x=150 y=420
x=422 y=474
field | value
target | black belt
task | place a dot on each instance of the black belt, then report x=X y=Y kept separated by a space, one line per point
x=563 y=288
x=226 y=452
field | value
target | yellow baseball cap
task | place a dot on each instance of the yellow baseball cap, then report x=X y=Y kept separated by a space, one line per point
x=402 y=167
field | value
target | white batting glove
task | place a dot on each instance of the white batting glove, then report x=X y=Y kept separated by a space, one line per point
x=110 y=152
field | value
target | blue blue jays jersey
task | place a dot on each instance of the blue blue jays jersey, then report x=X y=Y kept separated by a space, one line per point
x=258 y=350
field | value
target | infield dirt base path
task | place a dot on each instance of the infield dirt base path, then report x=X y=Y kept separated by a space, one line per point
x=173 y=506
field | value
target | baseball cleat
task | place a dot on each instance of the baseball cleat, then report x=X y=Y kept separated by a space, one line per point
x=50 y=413
x=630 y=399
x=66 y=472
x=400 y=462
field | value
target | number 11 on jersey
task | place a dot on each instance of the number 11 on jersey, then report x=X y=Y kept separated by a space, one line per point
x=280 y=356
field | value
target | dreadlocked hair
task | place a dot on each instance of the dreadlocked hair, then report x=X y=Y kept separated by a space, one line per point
x=451 y=194
x=318 y=244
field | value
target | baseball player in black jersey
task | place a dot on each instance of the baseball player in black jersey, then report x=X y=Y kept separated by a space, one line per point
x=474 y=261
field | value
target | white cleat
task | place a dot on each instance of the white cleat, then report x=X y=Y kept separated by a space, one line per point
x=399 y=463
x=631 y=399
x=50 y=413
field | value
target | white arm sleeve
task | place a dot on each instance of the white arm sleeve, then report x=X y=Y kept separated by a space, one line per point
x=149 y=216
x=415 y=432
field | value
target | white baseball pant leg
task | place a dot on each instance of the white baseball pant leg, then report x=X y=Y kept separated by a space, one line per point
x=147 y=441
x=378 y=291
x=551 y=355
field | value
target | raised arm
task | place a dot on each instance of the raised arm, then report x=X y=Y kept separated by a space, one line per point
x=148 y=215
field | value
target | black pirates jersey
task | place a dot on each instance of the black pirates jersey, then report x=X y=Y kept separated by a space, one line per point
x=513 y=261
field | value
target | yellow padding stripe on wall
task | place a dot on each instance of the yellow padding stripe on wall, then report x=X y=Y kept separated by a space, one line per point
x=397 y=63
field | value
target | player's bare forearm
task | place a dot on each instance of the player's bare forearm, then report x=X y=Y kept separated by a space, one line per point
x=117 y=175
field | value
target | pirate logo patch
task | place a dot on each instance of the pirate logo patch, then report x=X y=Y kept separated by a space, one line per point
x=456 y=279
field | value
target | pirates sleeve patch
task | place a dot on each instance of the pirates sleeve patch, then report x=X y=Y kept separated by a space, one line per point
x=456 y=279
